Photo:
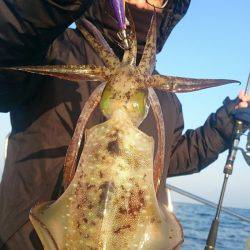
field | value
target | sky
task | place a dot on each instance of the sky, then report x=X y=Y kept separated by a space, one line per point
x=212 y=41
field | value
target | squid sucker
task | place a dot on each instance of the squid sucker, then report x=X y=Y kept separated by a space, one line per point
x=110 y=197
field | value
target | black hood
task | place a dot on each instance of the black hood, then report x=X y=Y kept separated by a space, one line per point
x=101 y=15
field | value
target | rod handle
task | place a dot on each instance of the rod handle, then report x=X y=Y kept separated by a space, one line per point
x=211 y=239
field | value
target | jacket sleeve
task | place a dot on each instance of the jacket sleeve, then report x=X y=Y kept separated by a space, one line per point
x=198 y=148
x=27 y=28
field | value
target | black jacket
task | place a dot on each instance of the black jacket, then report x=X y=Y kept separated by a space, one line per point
x=44 y=110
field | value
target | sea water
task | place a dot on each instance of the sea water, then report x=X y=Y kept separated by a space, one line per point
x=196 y=220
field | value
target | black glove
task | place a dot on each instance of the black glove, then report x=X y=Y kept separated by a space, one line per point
x=242 y=114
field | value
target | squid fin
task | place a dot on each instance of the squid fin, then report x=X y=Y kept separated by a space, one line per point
x=45 y=235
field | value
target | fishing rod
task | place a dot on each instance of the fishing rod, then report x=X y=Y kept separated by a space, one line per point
x=228 y=169
x=206 y=202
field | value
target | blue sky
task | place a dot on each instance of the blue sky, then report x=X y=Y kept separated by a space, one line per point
x=212 y=41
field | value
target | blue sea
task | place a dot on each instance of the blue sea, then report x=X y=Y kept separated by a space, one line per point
x=196 y=220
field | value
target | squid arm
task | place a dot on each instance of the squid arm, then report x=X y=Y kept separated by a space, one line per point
x=108 y=57
x=73 y=73
x=182 y=84
x=96 y=33
x=70 y=163
x=148 y=60
x=159 y=158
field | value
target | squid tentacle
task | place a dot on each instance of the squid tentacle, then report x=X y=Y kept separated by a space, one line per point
x=109 y=58
x=159 y=158
x=73 y=149
x=73 y=73
x=182 y=84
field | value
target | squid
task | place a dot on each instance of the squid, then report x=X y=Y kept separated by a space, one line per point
x=110 y=198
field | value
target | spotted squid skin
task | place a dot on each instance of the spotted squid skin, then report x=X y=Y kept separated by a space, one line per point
x=111 y=202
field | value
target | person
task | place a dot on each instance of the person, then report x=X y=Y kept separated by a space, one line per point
x=44 y=110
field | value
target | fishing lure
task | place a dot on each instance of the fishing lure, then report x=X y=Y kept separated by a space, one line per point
x=119 y=11
x=110 y=194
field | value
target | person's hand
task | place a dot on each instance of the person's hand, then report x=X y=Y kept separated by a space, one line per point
x=242 y=109
x=244 y=100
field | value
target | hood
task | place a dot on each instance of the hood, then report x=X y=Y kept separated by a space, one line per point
x=101 y=15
